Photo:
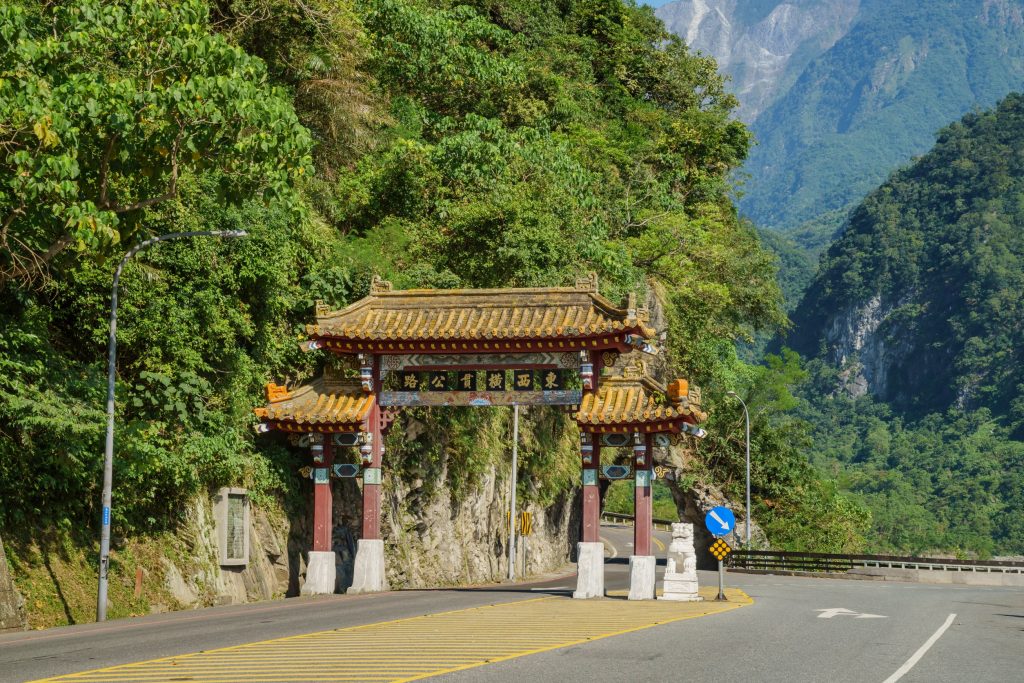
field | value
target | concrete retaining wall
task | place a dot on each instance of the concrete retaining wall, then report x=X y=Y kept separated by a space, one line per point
x=962 y=578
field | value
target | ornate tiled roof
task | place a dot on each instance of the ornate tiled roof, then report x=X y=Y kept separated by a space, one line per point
x=634 y=399
x=322 y=402
x=481 y=314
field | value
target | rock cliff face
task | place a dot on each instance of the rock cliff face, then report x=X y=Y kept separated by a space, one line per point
x=438 y=540
x=12 y=607
x=761 y=49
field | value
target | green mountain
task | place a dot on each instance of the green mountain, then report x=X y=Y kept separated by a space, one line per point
x=915 y=324
x=919 y=300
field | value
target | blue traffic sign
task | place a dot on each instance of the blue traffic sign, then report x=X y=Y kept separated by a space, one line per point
x=720 y=521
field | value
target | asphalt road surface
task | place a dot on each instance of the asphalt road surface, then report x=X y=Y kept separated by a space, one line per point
x=798 y=629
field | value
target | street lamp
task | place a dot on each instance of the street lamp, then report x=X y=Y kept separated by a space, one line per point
x=108 y=453
x=746 y=415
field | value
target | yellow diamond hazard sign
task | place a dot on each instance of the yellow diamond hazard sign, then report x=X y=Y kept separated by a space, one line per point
x=720 y=549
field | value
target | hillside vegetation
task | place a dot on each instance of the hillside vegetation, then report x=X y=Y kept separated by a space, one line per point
x=433 y=143
x=917 y=314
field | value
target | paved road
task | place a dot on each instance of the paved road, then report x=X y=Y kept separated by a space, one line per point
x=780 y=637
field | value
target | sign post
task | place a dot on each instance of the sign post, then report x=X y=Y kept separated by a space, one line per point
x=720 y=521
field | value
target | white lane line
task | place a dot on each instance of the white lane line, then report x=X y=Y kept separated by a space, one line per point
x=909 y=664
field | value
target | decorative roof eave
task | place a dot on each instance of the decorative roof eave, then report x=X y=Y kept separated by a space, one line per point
x=549 y=318
x=635 y=402
x=606 y=342
x=327 y=404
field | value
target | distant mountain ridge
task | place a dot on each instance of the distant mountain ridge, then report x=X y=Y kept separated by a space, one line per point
x=762 y=45
x=839 y=94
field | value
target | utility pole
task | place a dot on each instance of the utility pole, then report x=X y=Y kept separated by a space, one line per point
x=512 y=499
x=108 y=452
x=746 y=416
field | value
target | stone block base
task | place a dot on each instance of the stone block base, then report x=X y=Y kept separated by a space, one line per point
x=321 y=573
x=680 y=587
x=368 y=573
x=589 y=571
x=641 y=577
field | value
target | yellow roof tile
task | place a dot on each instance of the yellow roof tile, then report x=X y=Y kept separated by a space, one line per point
x=634 y=399
x=321 y=402
x=493 y=314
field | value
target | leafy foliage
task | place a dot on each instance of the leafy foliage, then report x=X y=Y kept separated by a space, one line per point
x=484 y=144
x=105 y=105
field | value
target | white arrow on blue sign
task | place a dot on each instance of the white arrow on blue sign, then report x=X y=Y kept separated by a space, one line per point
x=720 y=521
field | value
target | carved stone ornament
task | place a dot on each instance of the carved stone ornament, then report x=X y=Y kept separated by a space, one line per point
x=321 y=309
x=587 y=283
x=609 y=358
x=276 y=392
x=635 y=370
x=680 y=578
x=379 y=285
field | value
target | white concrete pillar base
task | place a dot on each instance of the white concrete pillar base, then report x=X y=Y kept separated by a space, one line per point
x=589 y=571
x=368 y=574
x=680 y=587
x=641 y=577
x=321 y=573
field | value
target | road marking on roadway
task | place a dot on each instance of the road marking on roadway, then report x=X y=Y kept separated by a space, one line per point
x=609 y=545
x=418 y=647
x=914 y=658
x=842 y=611
x=661 y=546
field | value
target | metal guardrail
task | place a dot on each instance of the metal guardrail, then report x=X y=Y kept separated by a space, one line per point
x=778 y=560
x=664 y=524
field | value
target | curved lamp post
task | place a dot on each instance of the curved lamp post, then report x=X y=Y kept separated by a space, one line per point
x=746 y=415
x=108 y=453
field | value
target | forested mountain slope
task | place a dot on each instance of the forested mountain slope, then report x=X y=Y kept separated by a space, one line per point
x=920 y=299
x=915 y=324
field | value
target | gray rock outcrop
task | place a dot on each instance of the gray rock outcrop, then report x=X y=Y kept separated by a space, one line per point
x=762 y=52
x=12 y=606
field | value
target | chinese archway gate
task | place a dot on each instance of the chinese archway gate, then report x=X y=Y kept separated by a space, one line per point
x=424 y=347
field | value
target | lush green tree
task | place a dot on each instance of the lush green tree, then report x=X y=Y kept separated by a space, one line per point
x=104 y=106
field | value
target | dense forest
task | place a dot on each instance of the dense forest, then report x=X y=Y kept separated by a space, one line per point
x=434 y=143
x=916 y=326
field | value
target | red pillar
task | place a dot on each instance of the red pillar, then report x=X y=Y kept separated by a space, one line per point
x=591 y=452
x=322 y=512
x=642 y=508
x=372 y=470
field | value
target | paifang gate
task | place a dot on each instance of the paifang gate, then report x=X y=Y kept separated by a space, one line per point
x=487 y=347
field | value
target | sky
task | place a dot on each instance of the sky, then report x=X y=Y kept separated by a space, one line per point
x=655 y=3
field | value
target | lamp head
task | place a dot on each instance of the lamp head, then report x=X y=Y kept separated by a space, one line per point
x=231 y=233
x=732 y=394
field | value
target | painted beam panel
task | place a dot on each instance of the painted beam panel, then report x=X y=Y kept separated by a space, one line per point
x=564 y=397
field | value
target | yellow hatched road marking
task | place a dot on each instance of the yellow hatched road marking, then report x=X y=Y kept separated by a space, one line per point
x=415 y=648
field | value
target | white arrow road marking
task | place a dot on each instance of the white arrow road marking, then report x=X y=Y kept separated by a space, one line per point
x=842 y=611
x=714 y=515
